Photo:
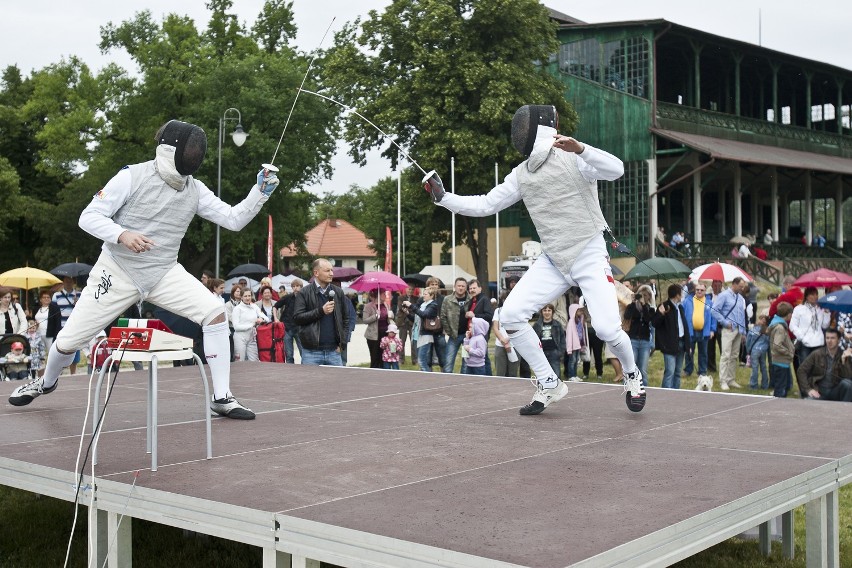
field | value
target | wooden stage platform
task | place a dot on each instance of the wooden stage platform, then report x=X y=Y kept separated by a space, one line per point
x=367 y=468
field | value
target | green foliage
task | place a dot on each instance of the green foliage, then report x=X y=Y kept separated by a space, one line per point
x=444 y=78
x=64 y=132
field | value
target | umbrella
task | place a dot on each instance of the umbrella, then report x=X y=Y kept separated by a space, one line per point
x=27 y=278
x=256 y=271
x=719 y=271
x=740 y=240
x=72 y=270
x=345 y=273
x=418 y=279
x=231 y=282
x=822 y=278
x=658 y=268
x=840 y=301
x=379 y=281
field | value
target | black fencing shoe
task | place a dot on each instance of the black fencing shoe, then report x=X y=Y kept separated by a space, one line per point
x=634 y=392
x=543 y=397
x=25 y=394
x=230 y=408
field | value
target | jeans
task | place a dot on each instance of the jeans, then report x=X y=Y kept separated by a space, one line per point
x=291 y=335
x=391 y=365
x=802 y=352
x=758 y=362
x=475 y=370
x=641 y=353
x=842 y=391
x=673 y=365
x=554 y=357
x=782 y=378
x=571 y=364
x=699 y=342
x=424 y=353
x=452 y=347
x=320 y=357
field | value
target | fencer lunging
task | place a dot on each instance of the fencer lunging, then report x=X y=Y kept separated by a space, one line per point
x=142 y=214
x=558 y=184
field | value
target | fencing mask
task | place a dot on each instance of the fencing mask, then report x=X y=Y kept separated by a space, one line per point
x=526 y=121
x=190 y=144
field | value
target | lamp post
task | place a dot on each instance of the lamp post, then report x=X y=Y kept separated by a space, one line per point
x=239 y=136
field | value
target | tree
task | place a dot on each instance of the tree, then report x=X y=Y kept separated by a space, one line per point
x=445 y=77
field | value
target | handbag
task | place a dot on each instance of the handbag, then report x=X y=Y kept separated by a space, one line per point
x=432 y=324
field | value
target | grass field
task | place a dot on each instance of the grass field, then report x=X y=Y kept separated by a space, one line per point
x=34 y=530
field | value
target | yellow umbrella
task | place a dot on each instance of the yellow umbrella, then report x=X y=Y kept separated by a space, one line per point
x=27 y=278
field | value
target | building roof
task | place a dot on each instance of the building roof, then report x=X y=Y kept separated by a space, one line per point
x=334 y=238
x=737 y=151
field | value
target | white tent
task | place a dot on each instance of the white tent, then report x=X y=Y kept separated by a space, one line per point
x=446 y=273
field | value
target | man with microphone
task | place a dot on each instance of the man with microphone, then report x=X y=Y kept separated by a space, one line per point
x=322 y=317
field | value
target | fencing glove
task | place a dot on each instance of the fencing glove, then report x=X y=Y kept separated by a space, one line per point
x=434 y=186
x=267 y=181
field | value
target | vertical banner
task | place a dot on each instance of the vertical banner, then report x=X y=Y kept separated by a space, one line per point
x=388 y=249
x=269 y=247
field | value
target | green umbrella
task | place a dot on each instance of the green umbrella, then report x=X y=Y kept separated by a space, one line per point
x=659 y=268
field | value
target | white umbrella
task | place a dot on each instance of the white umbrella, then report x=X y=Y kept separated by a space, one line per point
x=719 y=271
x=231 y=282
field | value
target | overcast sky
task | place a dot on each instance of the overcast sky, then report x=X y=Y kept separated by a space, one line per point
x=36 y=33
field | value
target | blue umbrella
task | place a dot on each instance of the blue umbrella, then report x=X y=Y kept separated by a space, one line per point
x=840 y=301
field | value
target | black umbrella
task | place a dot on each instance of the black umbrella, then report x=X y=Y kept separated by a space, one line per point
x=72 y=269
x=420 y=279
x=252 y=270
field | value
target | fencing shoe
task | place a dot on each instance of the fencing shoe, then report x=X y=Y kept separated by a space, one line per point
x=25 y=394
x=543 y=397
x=634 y=392
x=230 y=408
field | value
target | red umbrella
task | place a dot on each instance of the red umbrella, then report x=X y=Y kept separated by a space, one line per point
x=379 y=281
x=822 y=278
x=719 y=271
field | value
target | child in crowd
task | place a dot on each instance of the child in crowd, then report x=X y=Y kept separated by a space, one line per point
x=552 y=337
x=476 y=346
x=576 y=342
x=781 y=348
x=757 y=347
x=37 y=347
x=17 y=363
x=391 y=348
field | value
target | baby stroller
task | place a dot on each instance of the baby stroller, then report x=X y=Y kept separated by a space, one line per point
x=12 y=370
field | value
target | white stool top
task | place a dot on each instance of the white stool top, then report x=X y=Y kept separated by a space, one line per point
x=175 y=355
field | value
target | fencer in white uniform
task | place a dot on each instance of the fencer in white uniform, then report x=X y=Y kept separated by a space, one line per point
x=558 y=184
x=142 y=214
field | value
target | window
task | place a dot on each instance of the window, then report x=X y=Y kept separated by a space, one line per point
x=621 y=64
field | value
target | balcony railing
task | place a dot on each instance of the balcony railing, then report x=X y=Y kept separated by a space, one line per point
x=746 y=125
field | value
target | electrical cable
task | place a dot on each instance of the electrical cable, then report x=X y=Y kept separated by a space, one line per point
x=95 y=434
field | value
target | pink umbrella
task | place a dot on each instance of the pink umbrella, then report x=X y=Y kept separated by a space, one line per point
x=719 y=271
x=379 y=281
x=822 y=278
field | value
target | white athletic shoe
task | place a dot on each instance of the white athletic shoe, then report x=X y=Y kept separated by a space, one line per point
x=544 y=397
x=230 y=408
x=575 y=380
x=634 y=391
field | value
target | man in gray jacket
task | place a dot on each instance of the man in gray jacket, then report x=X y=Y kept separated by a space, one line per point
x=454 y=322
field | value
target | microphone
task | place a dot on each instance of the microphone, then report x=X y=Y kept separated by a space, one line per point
x=331 y=295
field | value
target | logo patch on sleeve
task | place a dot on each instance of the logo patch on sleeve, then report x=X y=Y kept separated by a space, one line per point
x=100 y=194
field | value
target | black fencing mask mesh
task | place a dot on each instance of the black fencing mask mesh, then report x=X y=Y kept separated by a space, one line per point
x=526 y=121
x=190 y=144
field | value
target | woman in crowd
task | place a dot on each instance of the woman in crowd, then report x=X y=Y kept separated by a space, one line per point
x=12 y=316
x=247 y=316
x=49 y=319
x=425 y=338
x=377 y=316
x=216 y=287
x=267 y=303
x=637 y=320
x=552 y=336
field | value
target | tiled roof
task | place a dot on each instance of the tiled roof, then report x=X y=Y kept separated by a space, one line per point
x=334 y=238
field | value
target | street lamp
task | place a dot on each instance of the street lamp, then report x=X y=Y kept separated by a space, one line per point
x=239 y=136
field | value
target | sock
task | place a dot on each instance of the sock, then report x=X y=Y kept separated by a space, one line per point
x=623 y=351
x=217 y=350
x=528 y=345
x=56 y=361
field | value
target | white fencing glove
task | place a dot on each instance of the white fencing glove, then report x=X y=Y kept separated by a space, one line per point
x=267 y=181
